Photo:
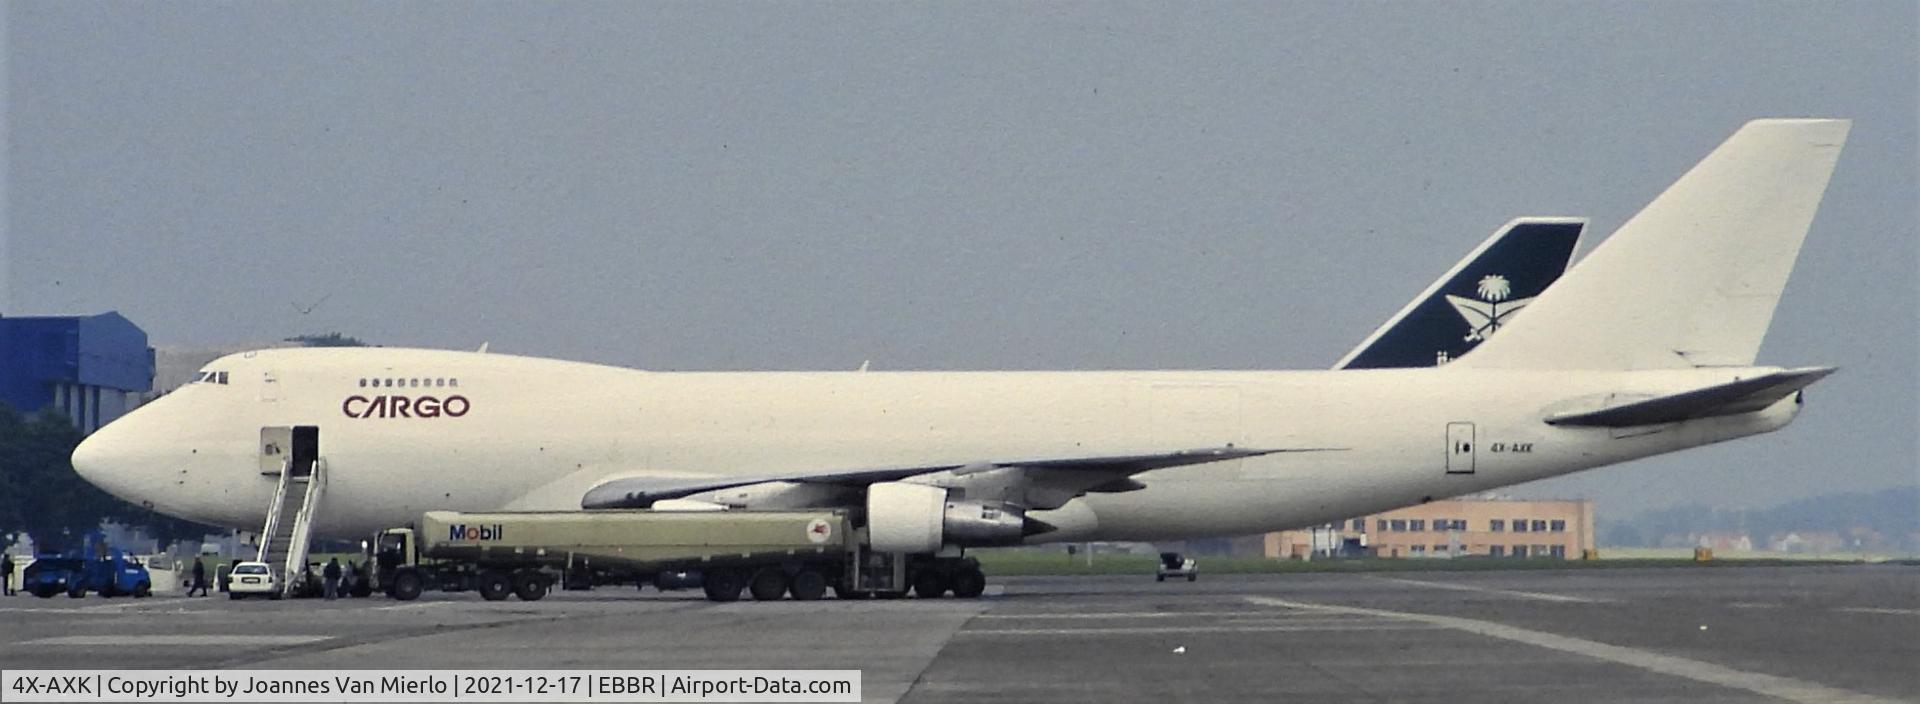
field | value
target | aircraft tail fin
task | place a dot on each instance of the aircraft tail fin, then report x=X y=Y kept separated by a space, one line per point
x=1482 y=292
x=1692 y=280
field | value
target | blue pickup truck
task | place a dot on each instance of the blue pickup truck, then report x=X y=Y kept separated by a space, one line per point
x=117 y=575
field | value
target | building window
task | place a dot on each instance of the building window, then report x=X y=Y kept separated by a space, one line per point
x=1417 y=524
x=1519 y=551
x=1496 y=551
x=1519 y=525
x=1418 y=549
x=1441 y=549
x=1496 y=525
x=1380 y=526
x=1399 y=525
x=1539 y=526
x=1558 y=526
x=1558 y=551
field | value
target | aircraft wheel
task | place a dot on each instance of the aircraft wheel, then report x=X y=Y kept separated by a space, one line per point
x=529 y=586
x=1193 y=577
x=722 y=585
x=494 y=585
x=768 y=584
x=969 y=583
x=406 y=586
x=930 y=584
x=807 y=585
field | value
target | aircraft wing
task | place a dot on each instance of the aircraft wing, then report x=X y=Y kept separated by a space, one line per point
x=1740 y=396
x=1075 y=474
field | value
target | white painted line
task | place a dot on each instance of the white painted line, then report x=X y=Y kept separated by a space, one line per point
x=1768 y=685
x=1143 y=630
x=1875 y=610
x=1753 y=605
x=177 y=640
x=412 y=606
x=1145 y=614
x=1539 y=596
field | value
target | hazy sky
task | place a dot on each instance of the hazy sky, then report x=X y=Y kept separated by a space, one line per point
x=942 y=186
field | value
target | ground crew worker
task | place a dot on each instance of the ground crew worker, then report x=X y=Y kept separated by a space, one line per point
x=6 y=574
x=199 y=578
x=332 y=576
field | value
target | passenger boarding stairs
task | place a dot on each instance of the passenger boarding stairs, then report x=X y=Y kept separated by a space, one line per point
x=283 y=541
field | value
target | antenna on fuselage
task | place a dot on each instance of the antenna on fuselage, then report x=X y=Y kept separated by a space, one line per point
x=483 y=347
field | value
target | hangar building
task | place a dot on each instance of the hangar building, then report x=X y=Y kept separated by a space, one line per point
x=90 y=368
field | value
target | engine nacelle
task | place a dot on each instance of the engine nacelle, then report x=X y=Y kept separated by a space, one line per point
x=916 y=518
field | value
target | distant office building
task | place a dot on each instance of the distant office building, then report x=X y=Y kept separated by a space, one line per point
x=90 y=368
x=1478 y=527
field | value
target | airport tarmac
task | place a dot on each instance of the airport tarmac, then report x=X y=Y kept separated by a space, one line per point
x=1801 y=634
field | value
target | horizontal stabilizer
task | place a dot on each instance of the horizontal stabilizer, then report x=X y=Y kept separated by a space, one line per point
x=1734 y=397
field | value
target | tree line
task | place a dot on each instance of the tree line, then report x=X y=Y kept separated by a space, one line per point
x=42 y=496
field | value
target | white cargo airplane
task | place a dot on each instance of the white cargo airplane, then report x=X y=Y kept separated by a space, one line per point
x=1646 y=347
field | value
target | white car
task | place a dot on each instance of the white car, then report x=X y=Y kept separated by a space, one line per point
x=252 y=579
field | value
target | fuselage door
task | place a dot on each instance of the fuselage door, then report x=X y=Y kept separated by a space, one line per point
x=1460 y=448
x=276 y=445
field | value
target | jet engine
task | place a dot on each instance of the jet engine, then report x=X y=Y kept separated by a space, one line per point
x=916 y=518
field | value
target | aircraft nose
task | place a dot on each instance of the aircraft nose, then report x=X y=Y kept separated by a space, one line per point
x=102 y=459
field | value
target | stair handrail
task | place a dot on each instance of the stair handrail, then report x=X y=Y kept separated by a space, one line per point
x=296 y=567
x=273 y=509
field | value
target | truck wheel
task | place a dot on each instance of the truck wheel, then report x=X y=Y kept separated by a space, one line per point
x=969 y=583
x=142 y=590
x=45 y=592
x=807 y=585
x=406 y=586
x=768 y=584
x=529 y=586
x=722 y=585
x=493 y=585
x=75 y=593
x=929 y=584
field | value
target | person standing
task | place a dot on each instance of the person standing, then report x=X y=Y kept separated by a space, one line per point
x=332 y=577
x=6 y=574
x=199 y=578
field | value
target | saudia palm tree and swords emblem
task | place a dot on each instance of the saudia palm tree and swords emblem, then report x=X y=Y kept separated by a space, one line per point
x=1493 y=310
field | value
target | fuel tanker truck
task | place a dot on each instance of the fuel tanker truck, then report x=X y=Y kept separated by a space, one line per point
x=771 y=554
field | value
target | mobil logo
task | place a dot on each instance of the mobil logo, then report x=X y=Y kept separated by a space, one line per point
x=462 y=531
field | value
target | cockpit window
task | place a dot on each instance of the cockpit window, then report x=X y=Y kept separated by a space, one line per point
x=210 y=377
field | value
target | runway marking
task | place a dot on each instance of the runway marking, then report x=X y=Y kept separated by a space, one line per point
x=409 y=607
x=1253 y=613
x=1143 y=630
x=1540 y=596
x=1876 y=610
x=1769 y=685
x=177 y=640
